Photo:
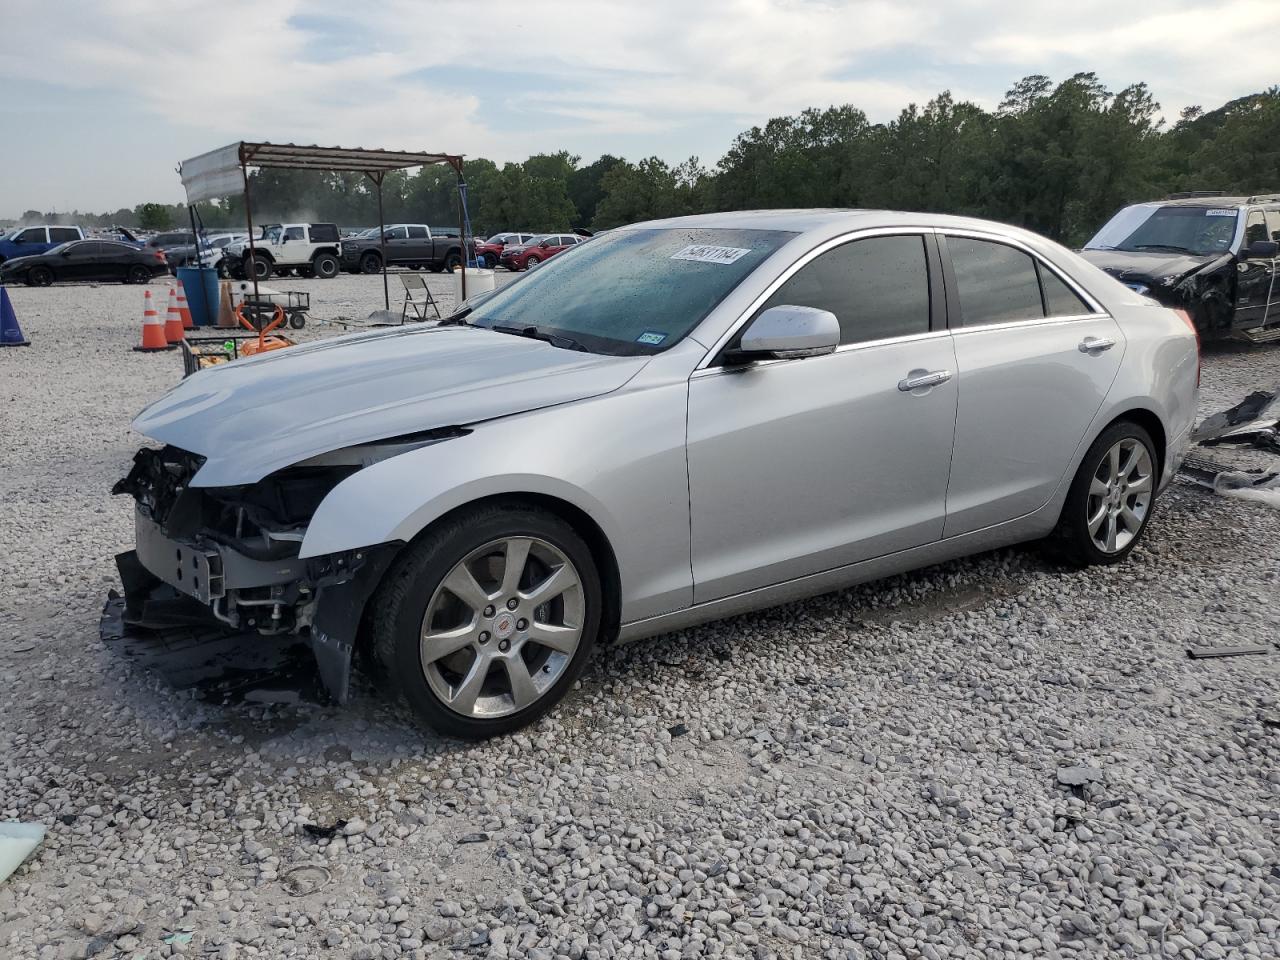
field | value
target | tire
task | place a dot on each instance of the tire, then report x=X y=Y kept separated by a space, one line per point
x=452 y=262
x=297 y=320
x=532 y=262
x=485 y=630
x=1108 y=506
x=370 y=263
x=324 y=266
x=262 y=267
x=39 y=277
x=137 y=274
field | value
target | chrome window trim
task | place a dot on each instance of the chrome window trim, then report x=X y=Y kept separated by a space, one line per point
x=802 y=261
x=1017 y=244
x=843 y=348
x=1034 y=322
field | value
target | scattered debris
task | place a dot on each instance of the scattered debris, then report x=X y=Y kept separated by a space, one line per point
x=182 y=937
x=1076 y=778
x=473 y=838
x=323 y=833
x=306 y=879
x=1255 y=419
x=1206 y=653
x=679 y=730
x=17 y=840
x=1262 y=485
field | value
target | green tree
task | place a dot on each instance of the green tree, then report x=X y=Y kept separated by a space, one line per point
x=154 y=216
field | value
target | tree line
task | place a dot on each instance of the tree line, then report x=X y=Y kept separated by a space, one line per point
x=1057 y=159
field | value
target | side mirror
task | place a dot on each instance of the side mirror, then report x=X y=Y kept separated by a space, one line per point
x=787 y=332
x=1262 y=250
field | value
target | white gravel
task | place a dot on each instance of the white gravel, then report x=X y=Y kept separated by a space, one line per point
x=867 y=774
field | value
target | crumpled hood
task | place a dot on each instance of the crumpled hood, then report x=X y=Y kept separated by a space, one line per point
x=254 y=416
x=1151 y=268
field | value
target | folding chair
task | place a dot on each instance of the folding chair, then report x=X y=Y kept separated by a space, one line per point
x=417 y=297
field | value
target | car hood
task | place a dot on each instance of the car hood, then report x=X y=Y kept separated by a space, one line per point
x=19 y=262
x=516 y=249
x=257 y=415
x=1150 y=268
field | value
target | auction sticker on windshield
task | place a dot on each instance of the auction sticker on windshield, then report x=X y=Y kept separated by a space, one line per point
x=705 y=253
x=651 y=337
x=1219 y=213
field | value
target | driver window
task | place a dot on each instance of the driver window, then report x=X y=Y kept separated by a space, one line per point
x=293 y=233
x=878 y=288
x=32 y=235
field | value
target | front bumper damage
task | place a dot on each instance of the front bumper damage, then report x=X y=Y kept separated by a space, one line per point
x=226 y=559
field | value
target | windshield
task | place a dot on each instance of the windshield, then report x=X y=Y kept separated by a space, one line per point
x=60 y=247
x=633 y=292
x=1151 y=228
x=271 y=232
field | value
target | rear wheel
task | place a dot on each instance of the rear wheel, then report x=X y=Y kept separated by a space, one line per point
x=452 y=262
x=1111 y=498
x=137 y=274
x=325 y=266
x=40 y=277
x=371 y=263
x=485 y=623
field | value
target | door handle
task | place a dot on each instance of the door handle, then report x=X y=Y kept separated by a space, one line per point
x=1098 y=344
x=931 y=379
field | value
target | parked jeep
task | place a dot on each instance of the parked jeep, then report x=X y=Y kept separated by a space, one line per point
x=1210 y=255
x=29 y=241
x=309 y=248
x=413 y=245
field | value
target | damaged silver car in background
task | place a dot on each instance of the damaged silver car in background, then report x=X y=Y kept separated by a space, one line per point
x=683 y=420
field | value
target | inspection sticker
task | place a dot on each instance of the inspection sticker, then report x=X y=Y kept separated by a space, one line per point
x=705 y=253
x=651 y=337
x=1219 y=213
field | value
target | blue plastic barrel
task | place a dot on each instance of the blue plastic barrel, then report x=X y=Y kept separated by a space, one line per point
x=201 y=287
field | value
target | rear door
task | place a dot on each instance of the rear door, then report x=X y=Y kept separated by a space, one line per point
x=801 y=466
x=1255 y=278
x=418 y=244
x=1036 y=358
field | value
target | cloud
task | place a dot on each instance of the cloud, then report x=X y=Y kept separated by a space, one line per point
x=505 y=79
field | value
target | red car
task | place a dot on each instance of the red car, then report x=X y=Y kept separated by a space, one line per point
x=490 y=251
x=523 y=256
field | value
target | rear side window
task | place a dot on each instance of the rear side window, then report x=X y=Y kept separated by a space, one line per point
x=878 y=288
x=995 y=283
x=1059 y=299
x=324 y=233
x=63 y=234
x=418 y=233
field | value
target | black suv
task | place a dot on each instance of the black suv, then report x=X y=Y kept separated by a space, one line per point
x=1211 y=255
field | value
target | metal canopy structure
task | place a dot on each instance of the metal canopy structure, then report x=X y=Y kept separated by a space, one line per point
x=225 y=171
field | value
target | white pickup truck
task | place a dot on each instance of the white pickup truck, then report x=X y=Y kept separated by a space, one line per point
x=312 y=249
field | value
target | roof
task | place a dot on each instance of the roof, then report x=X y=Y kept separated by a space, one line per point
x=218 y=173
x=1215 y=201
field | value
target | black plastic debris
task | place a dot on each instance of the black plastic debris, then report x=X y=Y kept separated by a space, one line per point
x=1076 y=778
x=323 y=833
x=1253 y=420
x=477 y=837
x=1206 y=653
x=679 y=730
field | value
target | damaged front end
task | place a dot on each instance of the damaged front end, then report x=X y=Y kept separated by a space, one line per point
x=231 y=555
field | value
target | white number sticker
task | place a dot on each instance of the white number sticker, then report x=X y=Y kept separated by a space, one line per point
x=705 y=253
x=1219 y=213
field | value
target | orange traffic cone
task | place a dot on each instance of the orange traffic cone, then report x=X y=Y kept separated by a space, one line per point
x=226 y=319
x=184 y=309
x=173 y=320
x=153 y=337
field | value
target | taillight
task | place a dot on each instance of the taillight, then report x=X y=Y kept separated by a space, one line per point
x=1191 y=323
x=160 y=255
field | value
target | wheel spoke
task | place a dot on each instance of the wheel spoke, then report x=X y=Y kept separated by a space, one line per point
x=1131 y=461
x=523 y=692
x=440 y=643
x=1098 y=488
x=1096 y=520
x=517 y=557
x=561 y=579
x=559 y=638
x=1111 y=533
x=462 y=584
x=1141 y=485
x=1113 y=462
x=1131 y=520
x=464 y=696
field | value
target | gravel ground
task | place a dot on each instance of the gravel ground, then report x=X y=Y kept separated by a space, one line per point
x=867 y=774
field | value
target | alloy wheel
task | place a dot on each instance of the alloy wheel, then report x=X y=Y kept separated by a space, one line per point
x=1119 y=495
x=502 y=627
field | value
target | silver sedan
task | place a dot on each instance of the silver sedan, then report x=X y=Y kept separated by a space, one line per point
x=678 y=421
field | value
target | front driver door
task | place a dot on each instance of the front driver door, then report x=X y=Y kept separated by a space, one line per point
x=801 y=466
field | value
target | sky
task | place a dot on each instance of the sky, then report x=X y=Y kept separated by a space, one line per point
x=99 y=101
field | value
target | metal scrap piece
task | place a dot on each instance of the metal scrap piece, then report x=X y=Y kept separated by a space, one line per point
x=1206 y=653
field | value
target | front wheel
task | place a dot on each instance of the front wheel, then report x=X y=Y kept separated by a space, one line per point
x=532 y=262
x=371 y=263
x=40 y=277
x=1111 y=498
x=262 y=268
x=484 y=624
